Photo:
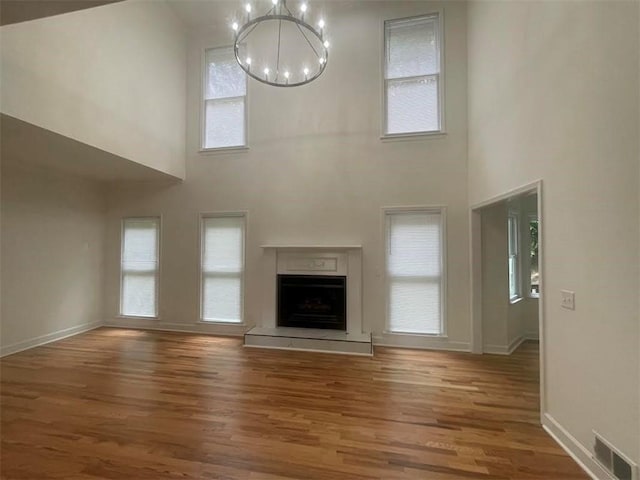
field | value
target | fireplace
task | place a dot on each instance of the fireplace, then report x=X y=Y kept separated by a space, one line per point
x=312 y=301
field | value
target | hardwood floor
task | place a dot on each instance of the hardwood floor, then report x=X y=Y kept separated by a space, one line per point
x=126 y=404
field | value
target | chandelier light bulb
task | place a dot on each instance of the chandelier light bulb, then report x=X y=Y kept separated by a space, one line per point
x=248 y=7
x=303 y=7
x=326 y=44
x=321 y=60
x=305 y=71
x=248 y=61
x=286 y=75
x=266 y=72
x=321 y=24
x=275 y=2
x=234 y=26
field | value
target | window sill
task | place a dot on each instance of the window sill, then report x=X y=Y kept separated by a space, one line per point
x=214 y=322
x=513 y=301
x=137 y=317
x=219 y=150
x=395 y=137
x=415 y=334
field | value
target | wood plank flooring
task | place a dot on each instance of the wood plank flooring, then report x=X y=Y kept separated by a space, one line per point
x=127 y=404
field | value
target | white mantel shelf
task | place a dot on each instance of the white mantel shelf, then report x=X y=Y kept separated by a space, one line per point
x=313 y=247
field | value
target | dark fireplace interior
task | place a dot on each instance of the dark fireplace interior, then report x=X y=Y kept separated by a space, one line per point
x=312 y=301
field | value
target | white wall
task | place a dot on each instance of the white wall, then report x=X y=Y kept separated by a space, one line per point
x=316 y=172
x=553 y=94
x=112 y=77
x=53 y=228
x=495 y=279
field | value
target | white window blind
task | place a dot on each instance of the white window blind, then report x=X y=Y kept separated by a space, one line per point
x=514 y=257
x=412 y=75
x=139 y=267
x=222 y=268
x=415 y=271
x=224 y=100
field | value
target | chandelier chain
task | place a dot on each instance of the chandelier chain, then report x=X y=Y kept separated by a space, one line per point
x=278 y=56
x=307 y=39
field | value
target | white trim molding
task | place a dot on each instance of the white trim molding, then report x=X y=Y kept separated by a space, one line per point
x=422 y=342
x=386 y=213
x=206 y=328
x=439 y=14
x=505 y=349
x=48 y=338
x=577 y=451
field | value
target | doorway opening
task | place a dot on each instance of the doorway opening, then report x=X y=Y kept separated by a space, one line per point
x=507 y=277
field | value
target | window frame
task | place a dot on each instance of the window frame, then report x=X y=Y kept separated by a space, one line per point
x=517 y=296
x=203 y=106
x=123 y=220
x=441 y=79
x=442 y=211
x=201 y=218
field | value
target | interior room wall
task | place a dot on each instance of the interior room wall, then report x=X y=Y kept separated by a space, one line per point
x=495 y=279
x=522 y=315
x=316 y=172
x=529 y=320
x=550 y=100
x=113 y=77
x=52 y=250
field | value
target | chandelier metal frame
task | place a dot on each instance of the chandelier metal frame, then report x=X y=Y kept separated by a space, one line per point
x=276 y=14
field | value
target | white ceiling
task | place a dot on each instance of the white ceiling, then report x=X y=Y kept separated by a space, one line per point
x=202 y=13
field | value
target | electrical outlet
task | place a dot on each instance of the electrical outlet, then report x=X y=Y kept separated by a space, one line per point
x=568 y=299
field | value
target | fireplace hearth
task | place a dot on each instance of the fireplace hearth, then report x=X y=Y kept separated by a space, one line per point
x=312 y=301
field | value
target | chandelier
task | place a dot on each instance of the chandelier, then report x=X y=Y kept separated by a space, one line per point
x=280 y=48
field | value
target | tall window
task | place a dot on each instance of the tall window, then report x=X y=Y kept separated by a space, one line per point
x=514 y=257
x=412 y=75
x=225 y=99
x=415 y=271
x=139 y=267
x=534 y=271
x=222 y=267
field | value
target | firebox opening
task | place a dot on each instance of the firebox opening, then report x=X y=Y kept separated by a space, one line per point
x=312 y=301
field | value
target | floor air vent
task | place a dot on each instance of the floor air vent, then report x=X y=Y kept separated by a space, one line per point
x=613 y=461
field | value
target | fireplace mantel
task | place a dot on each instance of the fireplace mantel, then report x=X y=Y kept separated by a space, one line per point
x=343 y=260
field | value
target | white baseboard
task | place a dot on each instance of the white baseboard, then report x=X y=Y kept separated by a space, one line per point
x=509 y=349
x=575 y=449
x=496 y=349
x=423 y=342
x=505 y=349
x=48 y=338
x=204 y=328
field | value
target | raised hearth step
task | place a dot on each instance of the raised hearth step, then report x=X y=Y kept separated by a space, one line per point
x=311 y=339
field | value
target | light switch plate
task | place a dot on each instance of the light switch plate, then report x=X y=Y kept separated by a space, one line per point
x=568 y=299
